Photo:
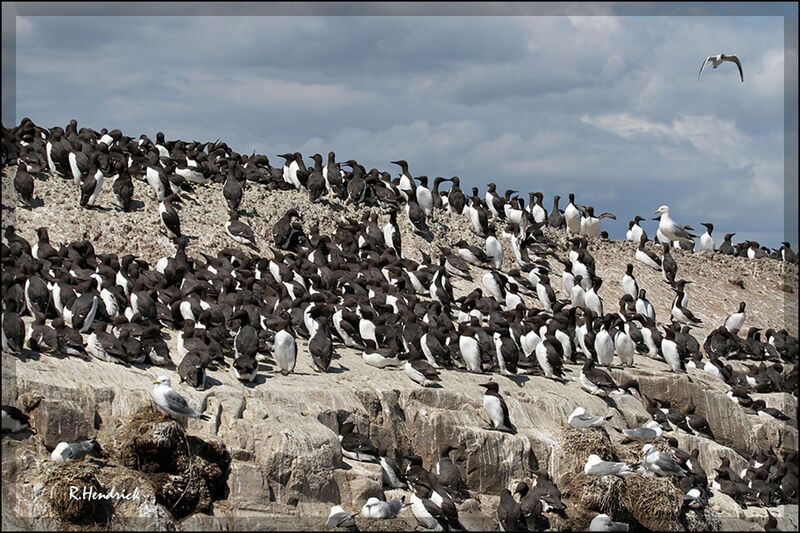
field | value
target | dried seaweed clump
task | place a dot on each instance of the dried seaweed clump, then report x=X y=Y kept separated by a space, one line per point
x=148 y=442
x=67 y=488
x=186 y=472
x=651 y=503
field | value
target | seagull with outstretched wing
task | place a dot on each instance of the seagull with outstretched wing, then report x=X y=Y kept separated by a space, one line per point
x=718 y=60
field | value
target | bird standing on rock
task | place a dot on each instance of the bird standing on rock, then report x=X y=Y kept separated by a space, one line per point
x=496 y=408
x=169 y=216
x=736 y=320
x=171 y=402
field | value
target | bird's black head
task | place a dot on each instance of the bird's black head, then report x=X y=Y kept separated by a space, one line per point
x=490 y=386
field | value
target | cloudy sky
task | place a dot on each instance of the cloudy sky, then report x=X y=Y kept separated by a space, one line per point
x=599 y=100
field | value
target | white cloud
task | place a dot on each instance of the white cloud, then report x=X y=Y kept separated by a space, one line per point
x=627 y=125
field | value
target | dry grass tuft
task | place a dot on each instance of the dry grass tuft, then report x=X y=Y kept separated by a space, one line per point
x=653 y=501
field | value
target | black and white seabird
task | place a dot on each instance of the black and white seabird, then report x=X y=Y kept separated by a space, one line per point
x=669 y=268
x=232 y=190
x=406 y=181
x=550 y=358
x=316 y=181
x=604 y=342
x=239 y=231
x=321 y=346
x=726 y=247
x=169 y=216
x=13 y=332
x=192 y=370
x=284 y=349
x=697 y=422
x=43 y=338
x=23 y=187
x=596 y=381
x=531 y=507
x=449 y=476
x=679 y=310
x=282 y=231
x=556 y=218
x=380 y=357
x=392 y=476
x=14 y=420
x=590 y=224
x=93 y=184
x=735 y=321
x=356 y=446
x=572 y=216
x=643 y=305
x=496 y=408
x=104 y=346
x=628 y=282
x=635 y=231
x=646 y=256
x=427 y=513
x=671 y=351
x=424 y=196
x=420 y=371
x=494 y=250
x=548 y=493
x=706 y=240
x=509 y=513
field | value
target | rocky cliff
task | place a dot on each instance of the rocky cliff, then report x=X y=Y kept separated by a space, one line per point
x=269 y=457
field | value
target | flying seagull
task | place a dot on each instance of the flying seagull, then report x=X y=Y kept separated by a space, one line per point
x=718 y=60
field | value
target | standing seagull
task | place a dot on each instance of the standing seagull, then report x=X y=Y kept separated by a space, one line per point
x=171 y=402
x=669 y=228
x=718 y=60
x=660 y=463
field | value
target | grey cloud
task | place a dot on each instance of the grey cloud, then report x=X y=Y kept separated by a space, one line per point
x=489 y=99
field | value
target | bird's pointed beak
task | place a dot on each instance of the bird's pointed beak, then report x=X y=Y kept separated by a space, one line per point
x=155 y=383
x=656 y=212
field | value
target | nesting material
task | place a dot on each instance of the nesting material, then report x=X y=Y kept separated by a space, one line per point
x=187 y=473
x=578 y=444
x=72 y=507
